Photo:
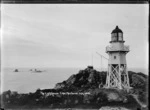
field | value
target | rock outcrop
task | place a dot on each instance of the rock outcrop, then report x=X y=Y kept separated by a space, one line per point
x=89 y=78
x=83 y=80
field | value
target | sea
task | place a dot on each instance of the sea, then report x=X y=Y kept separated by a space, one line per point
x=27 y=80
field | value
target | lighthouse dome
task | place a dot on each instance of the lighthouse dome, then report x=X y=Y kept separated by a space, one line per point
x=117 y=30
x=117 y=35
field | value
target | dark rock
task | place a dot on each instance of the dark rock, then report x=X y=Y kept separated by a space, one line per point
x=59 y=86
x=16 y=70
x=71 y=80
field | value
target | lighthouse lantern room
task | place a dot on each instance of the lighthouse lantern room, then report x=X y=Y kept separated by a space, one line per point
x=117 y=76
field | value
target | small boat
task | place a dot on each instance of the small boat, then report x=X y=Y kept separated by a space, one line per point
x=36 y=71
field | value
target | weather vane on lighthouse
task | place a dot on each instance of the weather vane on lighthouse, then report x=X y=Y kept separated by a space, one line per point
x=117 y=76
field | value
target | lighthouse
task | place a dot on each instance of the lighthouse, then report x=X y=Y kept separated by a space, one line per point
x=117 y=75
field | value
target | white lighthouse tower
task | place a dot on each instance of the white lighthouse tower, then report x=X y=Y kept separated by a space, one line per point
x=117 y=76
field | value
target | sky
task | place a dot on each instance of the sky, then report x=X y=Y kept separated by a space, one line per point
x=69 y=35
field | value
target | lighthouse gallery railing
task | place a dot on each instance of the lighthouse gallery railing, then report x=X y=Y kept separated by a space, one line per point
x=124 y=48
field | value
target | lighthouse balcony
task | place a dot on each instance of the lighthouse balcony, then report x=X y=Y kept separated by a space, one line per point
x=113 y=49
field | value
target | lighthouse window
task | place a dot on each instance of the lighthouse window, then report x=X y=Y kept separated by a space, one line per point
x=120 y=37
x=113 y=37
x=114 y=57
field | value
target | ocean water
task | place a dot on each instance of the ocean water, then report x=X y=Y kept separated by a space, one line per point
x=26 y=81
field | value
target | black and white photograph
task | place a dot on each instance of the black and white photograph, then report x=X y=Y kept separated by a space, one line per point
x=74 y=56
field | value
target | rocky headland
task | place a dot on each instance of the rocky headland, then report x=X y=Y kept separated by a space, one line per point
x=67 y=94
